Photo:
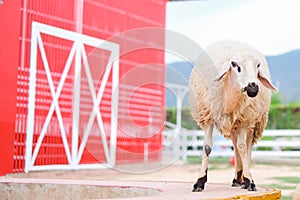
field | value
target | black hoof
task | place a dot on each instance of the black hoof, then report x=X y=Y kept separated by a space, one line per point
x=197 y=188
x=236 y=183
x=199 y=185
x=250 y=186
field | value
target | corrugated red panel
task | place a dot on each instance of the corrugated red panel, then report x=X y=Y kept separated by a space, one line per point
x=141 y=101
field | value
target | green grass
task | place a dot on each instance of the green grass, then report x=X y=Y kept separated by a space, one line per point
x=215 y=163
x=198 y=159
x=287 y=183
x=288 y=179
x=282 y=187
x=193 y=159
x=285 y=198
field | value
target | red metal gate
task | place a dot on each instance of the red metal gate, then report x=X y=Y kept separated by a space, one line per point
x=141 y=85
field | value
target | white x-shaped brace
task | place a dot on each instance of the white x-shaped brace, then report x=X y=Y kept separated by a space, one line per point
x=78 y=48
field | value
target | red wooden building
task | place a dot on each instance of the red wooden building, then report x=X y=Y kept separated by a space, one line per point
x=82 y=83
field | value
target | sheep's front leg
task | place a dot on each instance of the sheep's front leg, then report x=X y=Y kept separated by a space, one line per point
x=207 y=147
x=244 y=146
x=237 y=181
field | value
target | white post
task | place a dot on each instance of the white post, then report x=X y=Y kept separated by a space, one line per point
x=179 y=91
x=76 y=105
x=31 y=98
x=78 y=16
x=114 y=106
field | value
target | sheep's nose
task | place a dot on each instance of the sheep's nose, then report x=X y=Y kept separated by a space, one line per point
x=252 y=84
x=252 y=89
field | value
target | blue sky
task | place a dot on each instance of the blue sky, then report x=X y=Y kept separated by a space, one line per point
x=271 y=26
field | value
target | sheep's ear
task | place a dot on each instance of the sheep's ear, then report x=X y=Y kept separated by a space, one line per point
x=222 y=71
x=265 y=81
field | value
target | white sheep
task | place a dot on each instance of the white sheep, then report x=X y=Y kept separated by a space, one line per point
x=229 y=89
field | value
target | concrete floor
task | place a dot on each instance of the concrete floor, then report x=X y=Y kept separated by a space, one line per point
x=167 y=181
x=28 y=188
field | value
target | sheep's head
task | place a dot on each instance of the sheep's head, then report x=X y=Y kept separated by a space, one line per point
x=243 y=75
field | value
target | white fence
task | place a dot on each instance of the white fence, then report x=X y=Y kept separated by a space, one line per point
x=275 y=144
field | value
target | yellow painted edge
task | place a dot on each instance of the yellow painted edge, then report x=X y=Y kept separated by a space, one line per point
x=273 y=194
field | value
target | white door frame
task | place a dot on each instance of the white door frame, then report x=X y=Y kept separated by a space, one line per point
x=78 y=54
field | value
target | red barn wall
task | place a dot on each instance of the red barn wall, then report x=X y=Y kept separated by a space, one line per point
x=141 y=106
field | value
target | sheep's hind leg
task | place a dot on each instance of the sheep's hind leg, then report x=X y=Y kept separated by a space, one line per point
x=237 y=181
x=207 y=147
x=244 y=145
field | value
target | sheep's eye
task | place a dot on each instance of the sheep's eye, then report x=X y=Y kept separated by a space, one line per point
x=235 y=65
x=258 y=65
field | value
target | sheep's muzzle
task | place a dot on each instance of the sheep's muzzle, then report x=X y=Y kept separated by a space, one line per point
x=252 y=89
